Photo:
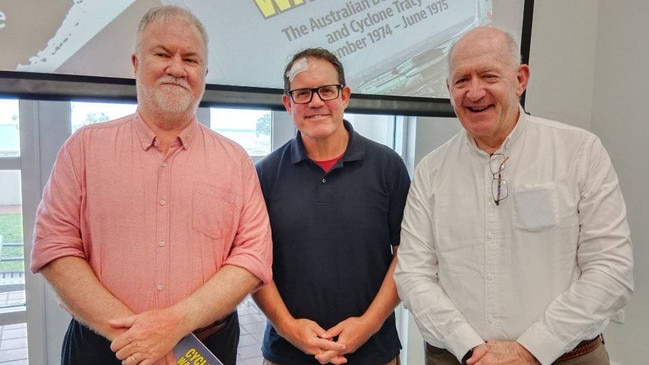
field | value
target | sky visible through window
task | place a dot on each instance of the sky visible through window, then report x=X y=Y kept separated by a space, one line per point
x=9 y=128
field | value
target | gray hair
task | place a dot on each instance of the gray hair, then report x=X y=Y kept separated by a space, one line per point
x=513 y=49
x=169 y=12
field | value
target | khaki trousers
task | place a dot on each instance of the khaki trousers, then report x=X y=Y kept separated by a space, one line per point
x=599 y=356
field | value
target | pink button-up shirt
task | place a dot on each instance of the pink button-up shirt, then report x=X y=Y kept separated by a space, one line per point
x=153 y=227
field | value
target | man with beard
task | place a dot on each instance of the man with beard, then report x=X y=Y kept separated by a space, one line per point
x=153 y=226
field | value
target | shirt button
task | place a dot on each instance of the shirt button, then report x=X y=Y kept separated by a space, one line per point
x=163 y=202
x=161 y=243
x=324 y=181
x=160 y=287
x=164 y=164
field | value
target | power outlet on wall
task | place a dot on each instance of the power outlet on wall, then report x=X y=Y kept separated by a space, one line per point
x=618 y=316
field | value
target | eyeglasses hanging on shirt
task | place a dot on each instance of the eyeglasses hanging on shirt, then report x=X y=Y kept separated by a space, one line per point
x=498 y=184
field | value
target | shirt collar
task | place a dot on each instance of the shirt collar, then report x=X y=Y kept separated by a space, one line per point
x=355 y=149
x=148 y=139
x=518 y=130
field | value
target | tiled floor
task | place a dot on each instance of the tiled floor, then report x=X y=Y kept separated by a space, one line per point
x=13 y=338
x=253 y=323
x=13 y=344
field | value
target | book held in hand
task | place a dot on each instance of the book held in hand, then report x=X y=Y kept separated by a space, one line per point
x=191 y=351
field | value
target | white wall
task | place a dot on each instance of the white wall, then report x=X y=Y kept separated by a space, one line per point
x=562 y=59
x=590 y=68
x=620 y=112
x=432 y=133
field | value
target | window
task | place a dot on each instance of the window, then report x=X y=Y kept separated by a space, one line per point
x=13 y=328
x=12 y=255
x=12 y=263
x=84 y=113
x=379 y=128
x=251 y=128
x=9 y=129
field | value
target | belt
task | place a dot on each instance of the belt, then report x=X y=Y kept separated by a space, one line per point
x=207 y=331
x=582 y=348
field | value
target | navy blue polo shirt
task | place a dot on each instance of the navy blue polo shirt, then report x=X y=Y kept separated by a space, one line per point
x=332 y=238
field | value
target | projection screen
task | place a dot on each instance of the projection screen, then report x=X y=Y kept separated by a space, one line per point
x=392 y=50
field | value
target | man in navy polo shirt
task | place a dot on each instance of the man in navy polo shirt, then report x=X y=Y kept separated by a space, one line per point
x=335 y=201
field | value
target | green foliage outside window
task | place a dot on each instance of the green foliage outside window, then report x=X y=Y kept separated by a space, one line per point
x=263 y=125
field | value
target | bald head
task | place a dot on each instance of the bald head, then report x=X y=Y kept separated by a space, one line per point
x=485 y=40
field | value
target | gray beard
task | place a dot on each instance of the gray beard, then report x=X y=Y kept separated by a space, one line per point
x=176 y=101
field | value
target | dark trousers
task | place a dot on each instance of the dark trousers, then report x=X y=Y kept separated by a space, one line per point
x=395 y=361
x=83 y=346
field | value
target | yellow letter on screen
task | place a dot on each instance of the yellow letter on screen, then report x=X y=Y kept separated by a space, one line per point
x=269 y=8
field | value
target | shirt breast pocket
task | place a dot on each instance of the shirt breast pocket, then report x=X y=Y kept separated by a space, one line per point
x=212 y=211
x=536 y=207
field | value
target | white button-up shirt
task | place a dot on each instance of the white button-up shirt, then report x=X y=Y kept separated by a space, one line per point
x=546 y=267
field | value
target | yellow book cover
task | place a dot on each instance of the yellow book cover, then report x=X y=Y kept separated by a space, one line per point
x=191 y=351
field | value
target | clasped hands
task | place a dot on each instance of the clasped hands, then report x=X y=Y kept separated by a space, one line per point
x=328 y=346
x=501 y=353
x=148 y=338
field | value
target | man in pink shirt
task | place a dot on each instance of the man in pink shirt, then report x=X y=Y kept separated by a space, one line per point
x=152 y=226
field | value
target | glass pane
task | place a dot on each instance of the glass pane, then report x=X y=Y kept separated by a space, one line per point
x=251 y=128
x=84 y=113
x=379 y=128
x=9 y=128
x=12 y=253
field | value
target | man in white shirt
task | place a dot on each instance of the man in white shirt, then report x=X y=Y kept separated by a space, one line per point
x=515 y=247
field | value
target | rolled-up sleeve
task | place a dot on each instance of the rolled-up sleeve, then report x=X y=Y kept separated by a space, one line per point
x=252 y=246
x=57 y=226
